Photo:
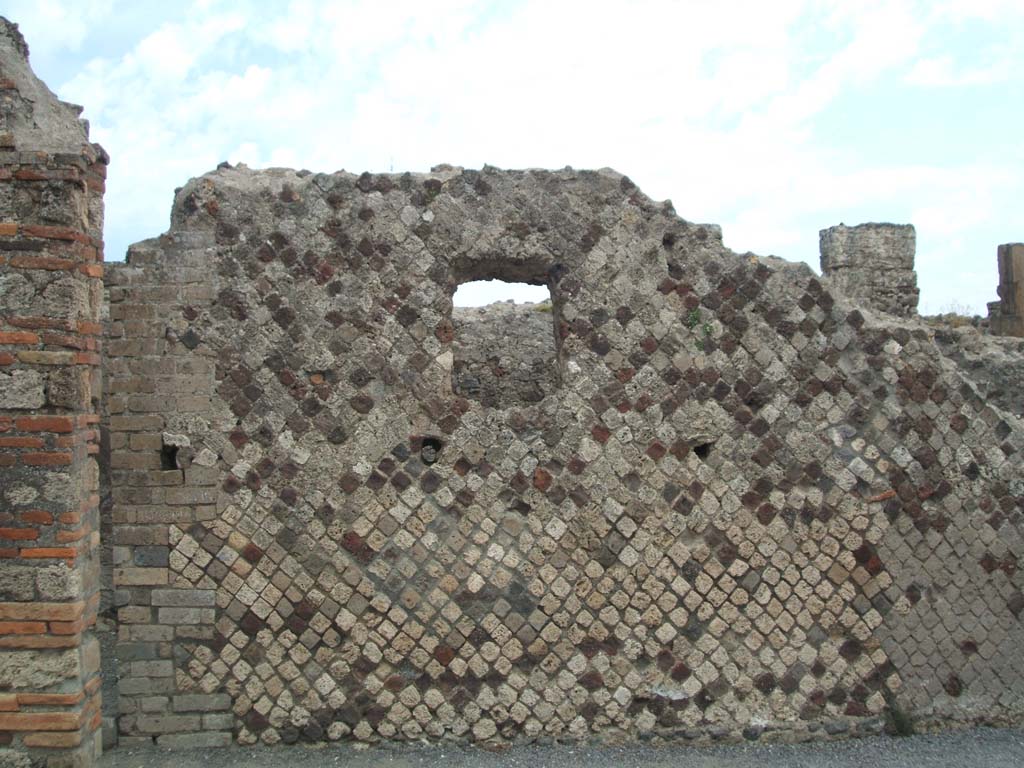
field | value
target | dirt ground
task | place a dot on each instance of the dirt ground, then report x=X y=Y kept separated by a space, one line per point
x=975 y=748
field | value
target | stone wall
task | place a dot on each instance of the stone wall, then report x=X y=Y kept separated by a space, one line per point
x=872 y=264
x=993 y=364
x=723 y=502
x=505 y=353
x=157 y=385
x=744 y=508
x=51 y=221
x=1007 y=315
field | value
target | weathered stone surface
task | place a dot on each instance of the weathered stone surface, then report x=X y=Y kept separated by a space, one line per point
x=200 y=740
x=51 y=251
x=36 y=118
x=90 y=655
x=185 y=616
x=184 y=597
x=216 y=702
x=22 y=390
x=721 y=494
x=37 y=670
x=505 y=353
x=994 y=365
x=17 y=583
x=159 y=724
x=153 y=557
x=58 y=583
x=45 y=293
x=51 y=583
x=704 y=496
x=873 y=264
x=1007 y=316
x=69 y=388
x=12 y=759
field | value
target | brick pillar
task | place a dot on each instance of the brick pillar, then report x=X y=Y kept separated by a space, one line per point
x=161 y=495
x=1009 y=320
x=873 y=264
x=51 y=252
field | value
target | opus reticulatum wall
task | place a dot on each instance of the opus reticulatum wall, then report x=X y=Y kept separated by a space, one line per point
x=741 y=505
x=700 y=495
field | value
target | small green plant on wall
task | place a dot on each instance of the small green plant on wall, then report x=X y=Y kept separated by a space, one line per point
x=693 y=319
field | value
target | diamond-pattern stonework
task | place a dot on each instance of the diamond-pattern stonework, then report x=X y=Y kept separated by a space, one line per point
x=741 y=507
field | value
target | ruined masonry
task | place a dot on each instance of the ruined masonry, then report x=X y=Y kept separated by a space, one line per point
x=51 y=249
x=872 y=264
x=698 y=496
x=1007 y=314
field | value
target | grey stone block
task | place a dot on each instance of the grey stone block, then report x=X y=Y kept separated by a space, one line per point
x=136 y=686
x=219 y=721
x=160 y=668
x=22 y=390
x=136 y=651
x=179 y=598
x=192 y=702
x=158 y=724
x=186 y=616
x=205 y=740
x=153 y=704
x=155 y=557
x=37 y=670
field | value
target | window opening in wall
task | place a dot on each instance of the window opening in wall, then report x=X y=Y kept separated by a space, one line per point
x=504 y=348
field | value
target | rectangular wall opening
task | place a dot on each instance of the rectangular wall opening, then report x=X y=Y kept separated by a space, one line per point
x=505 y=350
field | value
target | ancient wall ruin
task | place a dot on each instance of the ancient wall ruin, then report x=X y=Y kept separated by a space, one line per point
x=872 y=264
x=1007 y=315
x=504 y=353
x=699 y=495
x=51 y=249
x=740 y=506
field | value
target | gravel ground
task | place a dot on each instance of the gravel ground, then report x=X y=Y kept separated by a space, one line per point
x=975 y=748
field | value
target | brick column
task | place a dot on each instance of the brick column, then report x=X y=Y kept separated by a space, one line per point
x=159 y=388
x=51 y=252
x=1009 y=320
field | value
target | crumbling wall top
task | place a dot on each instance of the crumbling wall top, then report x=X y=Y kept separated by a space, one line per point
x=31 y=115
x=874 y=264
x=877 y=244
x=1007 y=315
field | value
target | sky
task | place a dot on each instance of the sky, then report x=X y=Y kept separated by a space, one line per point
x=773 y=119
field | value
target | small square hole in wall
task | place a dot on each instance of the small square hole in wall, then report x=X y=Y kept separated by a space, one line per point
x=504 y=349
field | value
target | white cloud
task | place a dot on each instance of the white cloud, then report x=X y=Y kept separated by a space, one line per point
x=714 y=105
x=52 y=25
x=943 y=72
x=996 y=11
